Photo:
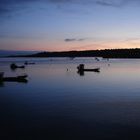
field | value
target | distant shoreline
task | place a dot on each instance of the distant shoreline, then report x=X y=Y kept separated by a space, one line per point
x=107 y=53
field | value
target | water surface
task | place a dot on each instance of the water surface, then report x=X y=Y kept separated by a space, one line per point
x=58 y=103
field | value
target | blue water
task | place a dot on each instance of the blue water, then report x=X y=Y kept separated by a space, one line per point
x=58 y=103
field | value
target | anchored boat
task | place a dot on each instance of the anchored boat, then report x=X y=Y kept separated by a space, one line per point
x=14 y=66
x=28 y=63
x=82 y=69
x=21 y=78
x=1 y=75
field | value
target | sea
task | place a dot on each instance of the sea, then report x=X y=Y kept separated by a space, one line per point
x=57 y=102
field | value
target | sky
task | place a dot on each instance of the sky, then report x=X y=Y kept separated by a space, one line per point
x=65 y=25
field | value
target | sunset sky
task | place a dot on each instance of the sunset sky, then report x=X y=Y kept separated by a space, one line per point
x=63 y=25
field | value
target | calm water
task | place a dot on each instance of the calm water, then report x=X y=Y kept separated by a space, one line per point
x=58 y=103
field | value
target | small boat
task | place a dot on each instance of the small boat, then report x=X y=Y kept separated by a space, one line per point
x=27 y=63
x=21 y=78
x=94 y=70
x=82 y=69
x=1 y=75
x=14 y=66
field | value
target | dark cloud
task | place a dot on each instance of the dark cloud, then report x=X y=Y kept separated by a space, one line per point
x=117 y=3
x=81 y=39
x=110 y=3
x=73 y=39
x=113 y=3
x=8 y=6
x=69 y=40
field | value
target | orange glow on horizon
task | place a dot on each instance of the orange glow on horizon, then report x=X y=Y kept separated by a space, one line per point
x=44 y=45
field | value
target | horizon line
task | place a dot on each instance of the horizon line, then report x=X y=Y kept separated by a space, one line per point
x=72 y=50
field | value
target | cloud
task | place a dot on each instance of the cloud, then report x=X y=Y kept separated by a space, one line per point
x=107 y=3
x=116 y=3
x=110 y=3
x=81 y=39
x=73 y=39
x=70 y=40
x=9 y=6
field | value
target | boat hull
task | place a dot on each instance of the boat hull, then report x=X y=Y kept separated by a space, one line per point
x=15 y=79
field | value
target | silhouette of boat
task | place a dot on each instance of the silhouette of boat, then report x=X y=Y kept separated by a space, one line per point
x=94 y=70
x=82 y=69
x=14 y=66
x=21 y=78
x=28 y=63
x=1 y=75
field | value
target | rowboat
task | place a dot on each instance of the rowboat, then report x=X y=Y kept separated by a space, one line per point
x=14 y=66
x=1 y=75
x=29 y=63
x=21 y=78
x=94 y=70
x=82 y=69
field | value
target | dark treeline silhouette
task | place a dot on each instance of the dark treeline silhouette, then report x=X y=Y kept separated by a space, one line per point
x=107 y=53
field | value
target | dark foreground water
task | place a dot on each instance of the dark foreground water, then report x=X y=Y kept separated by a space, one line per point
x=58 y=103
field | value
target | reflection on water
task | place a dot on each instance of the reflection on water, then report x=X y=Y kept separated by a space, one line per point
x=57 y=103
x=1 y=84
x=81 y=73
